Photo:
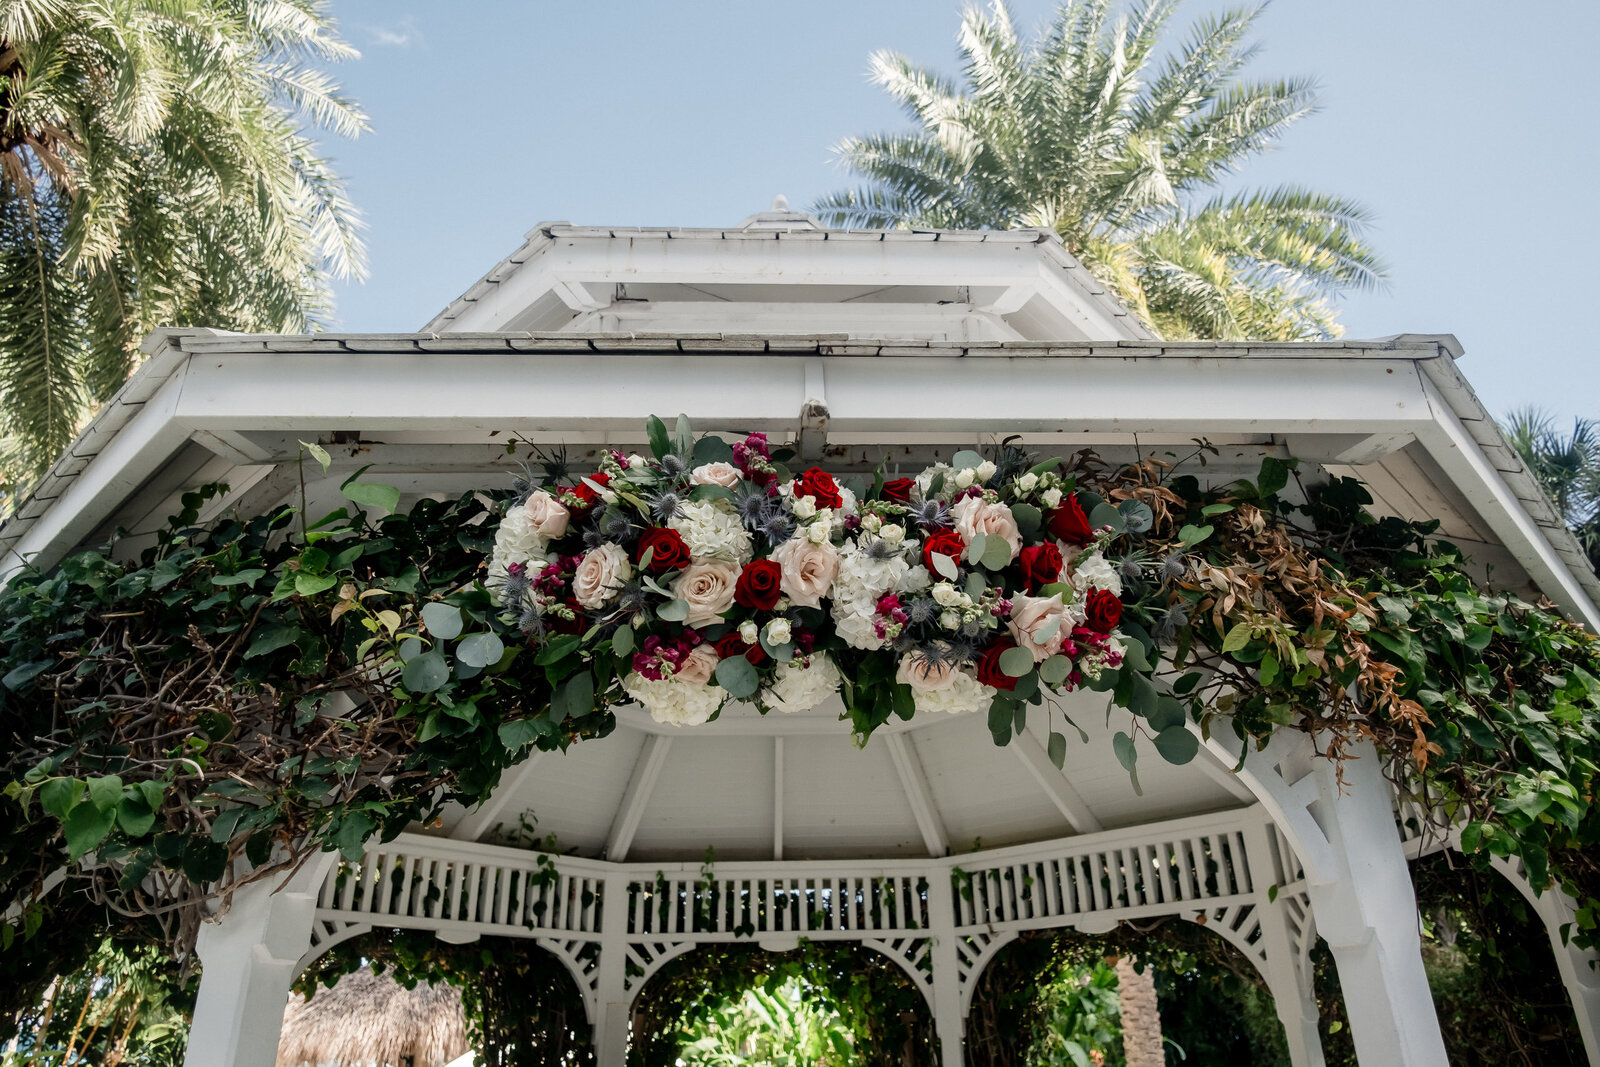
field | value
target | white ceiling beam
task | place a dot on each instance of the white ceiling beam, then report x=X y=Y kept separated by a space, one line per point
x=646 y=769
x=1055 y=785
x=908 y=767
x=481 y=819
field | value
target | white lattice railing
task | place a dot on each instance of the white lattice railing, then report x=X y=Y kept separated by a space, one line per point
x=464 y=889
x=1193 y=862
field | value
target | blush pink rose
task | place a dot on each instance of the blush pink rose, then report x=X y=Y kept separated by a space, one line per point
x=1040 y=624
x=808 y=570
x=600 y=576
x=707 y=587
x=923 y=676
x=697 y=666
x=724 y=474
x=974 y=517
x=547 y=515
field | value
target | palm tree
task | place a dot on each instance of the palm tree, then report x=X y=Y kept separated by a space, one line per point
x=1086 y=133
x=155 y=170
x=1567 y=466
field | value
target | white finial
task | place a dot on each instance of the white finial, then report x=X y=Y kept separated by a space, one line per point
x=780 y=203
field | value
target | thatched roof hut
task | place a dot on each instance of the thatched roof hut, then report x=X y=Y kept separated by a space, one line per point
x=370 y=1020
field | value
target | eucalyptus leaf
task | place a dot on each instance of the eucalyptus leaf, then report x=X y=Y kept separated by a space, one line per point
x=966 y=459
x=1054 y=671
x=480 y=650
x=1058 y=749
x=996 y=553
x=425 y=673
x=1015 y=662
x=738 y=676
x=945 y=566
x=443 y=620
x=1028 y=518
x=975 y=547
x=622 y=640
x=1176 y=744
x=673 y=610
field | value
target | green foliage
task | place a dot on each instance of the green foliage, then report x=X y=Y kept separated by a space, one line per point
x=782 y=1025
x=155 y=170
x=1567 y=467
x=1118 y=142
x=121 y=1007
x=853 y=1004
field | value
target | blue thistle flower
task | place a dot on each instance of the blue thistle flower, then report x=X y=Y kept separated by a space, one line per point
x=921 y=611
x=665 y=505
x=931 y=515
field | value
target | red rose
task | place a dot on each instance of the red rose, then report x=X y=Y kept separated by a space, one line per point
x=820 y=487
x=898 y=490
x=731 y=644
x=757 y=586
x=1069 y=523
x=671 y=554
x=989 y=672
x=1103 y=610
x=1041 y=565
x=586 y=495
x=943 y=543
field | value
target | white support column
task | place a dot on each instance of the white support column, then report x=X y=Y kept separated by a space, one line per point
x=948 y=1020
x=1577 y=966
x=613 y=1012
x=1290 y=984
x=249 y=959
x=1366 y=910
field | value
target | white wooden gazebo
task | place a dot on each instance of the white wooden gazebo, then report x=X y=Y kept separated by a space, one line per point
x=930 y=845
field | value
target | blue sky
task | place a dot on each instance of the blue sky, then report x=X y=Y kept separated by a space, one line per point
x=1469 y=129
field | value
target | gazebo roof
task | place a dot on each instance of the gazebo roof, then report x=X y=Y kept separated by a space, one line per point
x=855 y=346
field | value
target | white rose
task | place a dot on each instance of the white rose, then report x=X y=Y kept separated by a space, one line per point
x=723 y=474
x=1038 y=622
x=950 y=620
x=871 y=523
x=923 y=675
x=749 y=632
x=547 y=515
x=707 y=587
x=974 y=517
x=600 y=576
x=778 y=632
x=945 y=595
x=986 y=470
x=804 y=507
x=963 y=478
x=1028 y=482
x=808 y=570
x=636 y=462
x=892 y=533
x=819 y=531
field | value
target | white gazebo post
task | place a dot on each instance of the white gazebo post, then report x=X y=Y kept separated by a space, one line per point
x=249 y=959
x=1366 y=910
x=949 y=1022
x=1287 y=969
x=613 y=1005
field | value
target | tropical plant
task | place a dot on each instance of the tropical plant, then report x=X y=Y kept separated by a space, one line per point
x=785 y=1026
x=155 y=170
x=1091 y=133
x=1567 y=466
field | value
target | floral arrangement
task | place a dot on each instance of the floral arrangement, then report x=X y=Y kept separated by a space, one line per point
x=711 y=573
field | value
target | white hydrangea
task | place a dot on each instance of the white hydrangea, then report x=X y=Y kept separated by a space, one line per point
x=802 y=684
x=925 y=480
x=963 y=695
x=858 y=585
x=673 y=702
x=712 y=531
x=855 y=628
x=516 y=541
x=1096 y=572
